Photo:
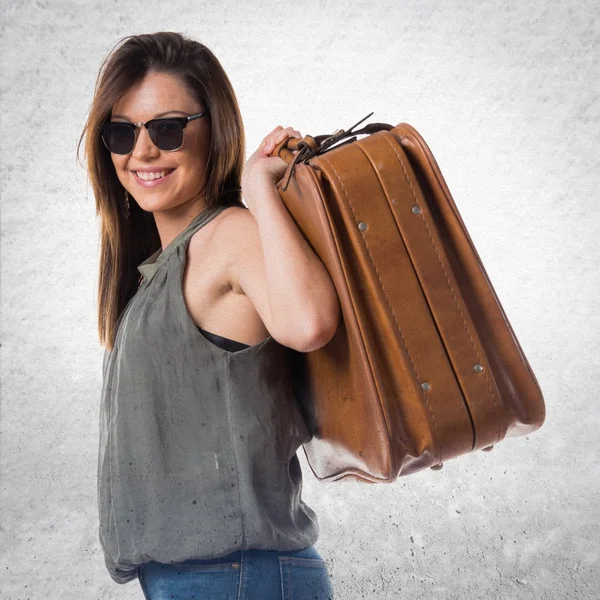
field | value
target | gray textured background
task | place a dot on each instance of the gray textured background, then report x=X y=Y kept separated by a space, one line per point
x=506 y=95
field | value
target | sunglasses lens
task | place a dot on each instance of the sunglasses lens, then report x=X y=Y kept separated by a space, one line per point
x=118 y=137
x=167 y=135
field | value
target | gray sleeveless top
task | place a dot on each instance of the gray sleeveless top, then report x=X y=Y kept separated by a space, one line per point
x=197 y=453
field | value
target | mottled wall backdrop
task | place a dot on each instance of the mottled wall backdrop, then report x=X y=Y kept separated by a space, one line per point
x=506 y=94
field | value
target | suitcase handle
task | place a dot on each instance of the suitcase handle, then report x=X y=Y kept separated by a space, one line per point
x=309 y=146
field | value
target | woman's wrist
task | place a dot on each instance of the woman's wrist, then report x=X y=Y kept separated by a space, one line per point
x=256 y=181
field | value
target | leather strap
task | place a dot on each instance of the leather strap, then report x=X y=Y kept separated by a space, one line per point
x=309 y=146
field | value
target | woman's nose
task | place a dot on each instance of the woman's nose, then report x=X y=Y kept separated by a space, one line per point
x=144 y=146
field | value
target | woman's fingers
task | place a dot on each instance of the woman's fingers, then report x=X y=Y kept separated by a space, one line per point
x=278 y=135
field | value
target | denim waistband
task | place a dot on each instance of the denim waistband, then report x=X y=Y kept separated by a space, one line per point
x=236 y=556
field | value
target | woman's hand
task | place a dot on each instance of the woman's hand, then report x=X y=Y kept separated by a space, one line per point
x=261 y=167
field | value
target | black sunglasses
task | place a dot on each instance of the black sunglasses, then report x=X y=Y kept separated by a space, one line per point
x=166 y=134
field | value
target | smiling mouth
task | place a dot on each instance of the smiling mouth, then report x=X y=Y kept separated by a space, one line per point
x=153 y=175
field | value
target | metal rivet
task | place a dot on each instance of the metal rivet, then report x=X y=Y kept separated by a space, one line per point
x=235 y=565
x=477 y=368
x=416 y=210
x=362 y=226
x=425 y=386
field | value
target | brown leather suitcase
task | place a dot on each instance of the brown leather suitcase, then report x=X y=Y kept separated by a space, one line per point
x=424 y=366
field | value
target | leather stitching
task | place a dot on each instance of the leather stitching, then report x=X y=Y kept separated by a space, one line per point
x=479 y=360
x=388 y=302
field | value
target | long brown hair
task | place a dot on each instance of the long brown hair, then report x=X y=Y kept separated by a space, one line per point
x=126 y=241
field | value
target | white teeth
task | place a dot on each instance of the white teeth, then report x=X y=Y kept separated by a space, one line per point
x=149 y=176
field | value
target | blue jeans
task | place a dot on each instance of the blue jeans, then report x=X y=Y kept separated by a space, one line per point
x=242 y=575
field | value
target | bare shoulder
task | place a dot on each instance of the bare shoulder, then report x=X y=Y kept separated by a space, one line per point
x=238 y=233
x=238 y=220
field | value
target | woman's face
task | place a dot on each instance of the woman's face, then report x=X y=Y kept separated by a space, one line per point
x=163 y=95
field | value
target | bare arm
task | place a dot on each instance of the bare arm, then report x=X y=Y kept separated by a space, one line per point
x=280 y=273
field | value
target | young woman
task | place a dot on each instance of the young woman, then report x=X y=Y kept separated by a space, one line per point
x=200 y=301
